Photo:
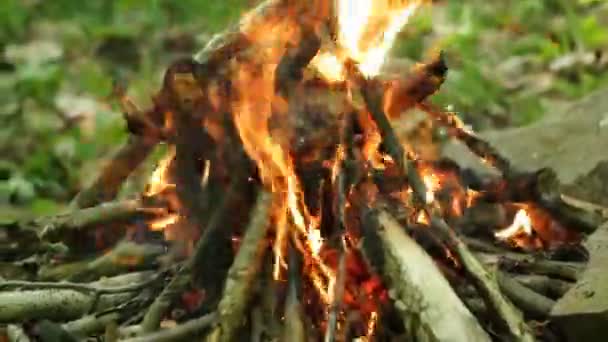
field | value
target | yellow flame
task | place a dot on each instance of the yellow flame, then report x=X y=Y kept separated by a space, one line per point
x=522 y=224
x=161 y=223
x=366 y=31
x=158 y=181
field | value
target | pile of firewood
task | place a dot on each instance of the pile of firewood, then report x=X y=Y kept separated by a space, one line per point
x=193 y=257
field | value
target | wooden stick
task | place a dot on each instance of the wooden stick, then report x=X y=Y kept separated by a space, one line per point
x=183 y=277
x=525 y=263
x=53 y=228
x=550 y=287
x=531 y=302
x=429 y=307
x=247 y=263
x=106 y=185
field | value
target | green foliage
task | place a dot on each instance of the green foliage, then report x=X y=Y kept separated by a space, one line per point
x=495 y=49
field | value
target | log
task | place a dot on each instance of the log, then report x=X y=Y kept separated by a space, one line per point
x=550 y=287
x=532 y=303
x=239 y=284
x=430 y=308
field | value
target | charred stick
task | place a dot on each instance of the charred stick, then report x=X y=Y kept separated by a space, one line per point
x=241 y=275
x=336 y=300
x=183 y=277
x=183 y=332
x=290 y=68
x=478 y=146
x=429 y=306
x=294 y=329
x=402 y=95
x=529 y=301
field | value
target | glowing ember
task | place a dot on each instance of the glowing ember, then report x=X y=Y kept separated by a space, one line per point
x=522 y=224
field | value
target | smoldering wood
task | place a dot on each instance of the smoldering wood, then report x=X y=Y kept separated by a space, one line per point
x=241 y=275
x=204 y=252
x=429 y=307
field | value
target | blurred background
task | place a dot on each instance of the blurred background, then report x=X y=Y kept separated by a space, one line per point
x=511 y=63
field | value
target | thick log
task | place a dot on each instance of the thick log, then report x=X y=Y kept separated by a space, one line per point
x=430 y=308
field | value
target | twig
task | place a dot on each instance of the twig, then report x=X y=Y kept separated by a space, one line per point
x=53 y=228
x=294 y=329
x=183 y=332
x=183 y=276
x=337 y=295
x=107 y=184
x=521 y=262
x=238 y=287
x=125 y=256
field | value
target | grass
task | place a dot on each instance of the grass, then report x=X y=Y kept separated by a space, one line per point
x=59 y=58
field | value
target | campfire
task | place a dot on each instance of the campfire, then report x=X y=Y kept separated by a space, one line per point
x=291 y=204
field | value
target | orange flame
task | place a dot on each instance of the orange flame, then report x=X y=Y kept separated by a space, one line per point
x=522 y=224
